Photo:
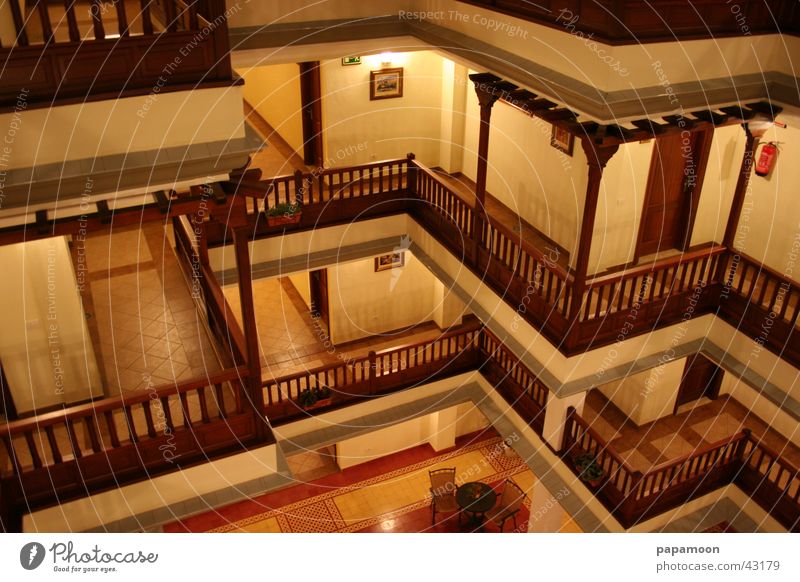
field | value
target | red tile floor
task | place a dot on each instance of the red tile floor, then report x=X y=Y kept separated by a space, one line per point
x=389 y=494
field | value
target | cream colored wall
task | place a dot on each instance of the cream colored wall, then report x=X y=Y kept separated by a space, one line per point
x=769 y=228
x=303 y=286
x=719 y=184
x=449 y=423
x=619 y=206
x=363 y=302
x=102 y=128
x=544 y=186
x=357 y=130
x=45 y=347
x=629 y=65
x=649 y=395
x=274 y=91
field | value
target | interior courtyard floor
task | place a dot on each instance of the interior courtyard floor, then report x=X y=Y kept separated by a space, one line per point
x=667 y=439
x=389 y=494
x=144 y=323
x=292 y=341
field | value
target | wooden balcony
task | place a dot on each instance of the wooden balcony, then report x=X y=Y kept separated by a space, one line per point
x=93 y=50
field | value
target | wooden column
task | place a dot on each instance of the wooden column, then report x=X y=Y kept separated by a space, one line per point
x=489 y=89
x=254 y=391
x=597 y=157
x=742 y=185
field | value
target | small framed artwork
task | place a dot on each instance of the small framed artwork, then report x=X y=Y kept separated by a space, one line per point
x=390 y=261
x=347 y=61
x=562 y=140
x=386 y=84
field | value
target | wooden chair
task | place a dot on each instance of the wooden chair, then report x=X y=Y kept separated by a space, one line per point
x=509 y=504
x=443 y=492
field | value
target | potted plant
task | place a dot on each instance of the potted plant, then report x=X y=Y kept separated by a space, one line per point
x=315 y=397
x=283 y=214
x=589 y=470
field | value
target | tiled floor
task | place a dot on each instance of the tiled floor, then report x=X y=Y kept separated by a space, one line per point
x=291 y=341
x=146 y=328
x=674 y=436
x=385 y=495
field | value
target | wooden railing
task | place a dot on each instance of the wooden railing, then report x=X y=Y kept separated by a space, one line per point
x=100 y=48
x=362 y=378
x=83 y=449
x=520 y=387
x=633 y=496
x=761 y=302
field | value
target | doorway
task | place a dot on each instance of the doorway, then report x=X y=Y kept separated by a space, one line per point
x=311 y=103
x=673 y=191
x=701 y=379
x=318 y=285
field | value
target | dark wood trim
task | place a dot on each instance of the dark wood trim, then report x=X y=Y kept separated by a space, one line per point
x=702 y=150
x=624 y=22
x=7 y=406
x=750 y=147
x=311 y=107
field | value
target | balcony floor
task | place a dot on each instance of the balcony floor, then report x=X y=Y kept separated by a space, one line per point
x=671 y=437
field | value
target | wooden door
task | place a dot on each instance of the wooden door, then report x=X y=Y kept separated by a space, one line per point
x=677 y=168
x=311 y=103
x=701 y=378
x=318 y=283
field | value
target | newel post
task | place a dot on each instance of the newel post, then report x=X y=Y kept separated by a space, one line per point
x=373 y=372
x=629 y=504
x=412 y=175
x=597 y=157
x=299 y=189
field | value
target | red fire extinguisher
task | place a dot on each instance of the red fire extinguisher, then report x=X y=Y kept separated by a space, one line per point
x=769 y=152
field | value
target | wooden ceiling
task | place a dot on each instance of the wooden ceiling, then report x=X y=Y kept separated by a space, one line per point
x=630 y=131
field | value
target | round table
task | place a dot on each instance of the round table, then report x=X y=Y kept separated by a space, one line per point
x=476 y=498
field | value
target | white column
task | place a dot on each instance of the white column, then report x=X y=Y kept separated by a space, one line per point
x=556 y=414
x=454 y=109
x=442 y=429
x=448 y=308
x=547 y=515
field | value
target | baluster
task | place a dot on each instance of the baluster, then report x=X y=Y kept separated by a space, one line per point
x=148 y=416
x=72 y=21
x=12 y=453
x=44 y=18
x=97 y=19
x=73 y=439
x=131 y=427
x=51 y=439
x=19 y=24
x=170 y=13
x=91 y=428
x=187 y=420
x=147 y=21
x=201 y=395
x=37 y=460
x=122 y=18
x=165 y=409
x=193 y=21
x=112 y=429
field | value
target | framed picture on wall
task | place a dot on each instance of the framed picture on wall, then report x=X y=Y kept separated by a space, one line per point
x=386 y=83
x=390 y=261
x=562 y=140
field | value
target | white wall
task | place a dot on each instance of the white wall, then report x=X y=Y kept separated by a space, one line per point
x=274 y=91
x=363 y=302
x=357 y=130
x=303 y=286
x=45 y=347
x=450 y=424
x=648 y=395
x=544 y=186
x=770 y=221
x=102 y=128
x=619 y=206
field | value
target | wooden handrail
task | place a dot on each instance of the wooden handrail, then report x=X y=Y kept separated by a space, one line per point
x=763 y=268
x=657 y=265
x=22 y=426
x=709 y=448
x=604 y=445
